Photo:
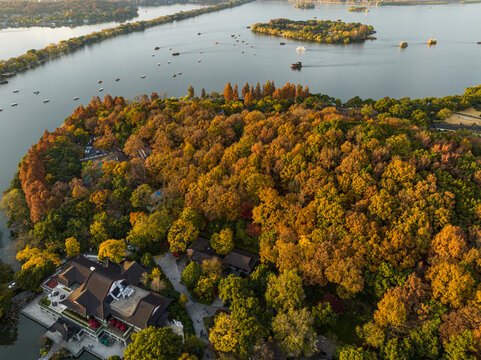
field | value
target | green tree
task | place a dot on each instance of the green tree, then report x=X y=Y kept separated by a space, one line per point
x=150 y=230
x=147 y=260
x=324 y=315
x=234 y=288
x=460 y=347
x=285 y=291
x=140 y=197
x=154 y=344
x=350 y=352
x=190 y=275
x=295 y=333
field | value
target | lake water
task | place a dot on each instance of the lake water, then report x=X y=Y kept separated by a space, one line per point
x=16 y=41
x=373 y=69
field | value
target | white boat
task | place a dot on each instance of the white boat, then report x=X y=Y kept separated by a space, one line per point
x=76 y=98
x=46 y=101
x=101 y=89
x=1 y=109
x=14 y=104
x=15 y=91
x=300 y=49
x=142 y=77
x=168 y=62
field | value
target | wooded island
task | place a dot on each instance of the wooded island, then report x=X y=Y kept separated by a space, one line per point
x=323 y=31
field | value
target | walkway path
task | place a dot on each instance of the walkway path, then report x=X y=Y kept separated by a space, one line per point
x=196 y=311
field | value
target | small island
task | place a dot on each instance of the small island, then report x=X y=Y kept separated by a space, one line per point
x=358 y=9
x=322 y=31
x=305 y=5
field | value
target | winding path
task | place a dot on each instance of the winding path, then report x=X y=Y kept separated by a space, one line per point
x=196 y=311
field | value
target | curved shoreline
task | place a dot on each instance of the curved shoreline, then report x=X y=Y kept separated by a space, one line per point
x=34 y=58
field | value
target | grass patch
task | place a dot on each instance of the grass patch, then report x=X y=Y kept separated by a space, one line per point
x=45 y=302
x=208 y=323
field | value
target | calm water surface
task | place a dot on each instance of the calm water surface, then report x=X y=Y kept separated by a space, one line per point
x=373 y=69
x=16 y=41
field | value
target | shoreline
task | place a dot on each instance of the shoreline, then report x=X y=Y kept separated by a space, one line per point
x=33 y=58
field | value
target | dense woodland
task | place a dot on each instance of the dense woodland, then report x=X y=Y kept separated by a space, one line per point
x=323 y=31
x=67 y=12
x=368 y=223
x=35 y=57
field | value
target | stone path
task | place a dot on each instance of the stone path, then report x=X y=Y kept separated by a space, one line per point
x=196 y=311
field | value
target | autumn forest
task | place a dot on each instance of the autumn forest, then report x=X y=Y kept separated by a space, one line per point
x=366 y=221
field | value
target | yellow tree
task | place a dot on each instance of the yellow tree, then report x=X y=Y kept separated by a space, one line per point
x=113 y=250
x=228 y=92
x=72 y=247
x=223 y=241
x=225 y=333
x=452 y=284
x=391 y=311
x=33 y=257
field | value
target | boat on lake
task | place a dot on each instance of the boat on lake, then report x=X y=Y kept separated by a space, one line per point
x=296 y=66
x=3 y=82
x=76 y=98
x=117 y=79
x=432 y=42
x=15 y=91
x=101 y=89
x=156 y=48
x=403 y=44
x=14 y=104
x=142 y=77
x=300 y=49
x=46 y=101
x=99 y=82
x=174 y=75
x=283 y=43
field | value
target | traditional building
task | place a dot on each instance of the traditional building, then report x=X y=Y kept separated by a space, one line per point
x=110 y=291
x=238 y=259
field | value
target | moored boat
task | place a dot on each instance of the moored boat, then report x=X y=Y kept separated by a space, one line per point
x=300 y=49
x=14 y=104
x=15 y=91
x=46 y=101
x=76 y=98
x=101 y=89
